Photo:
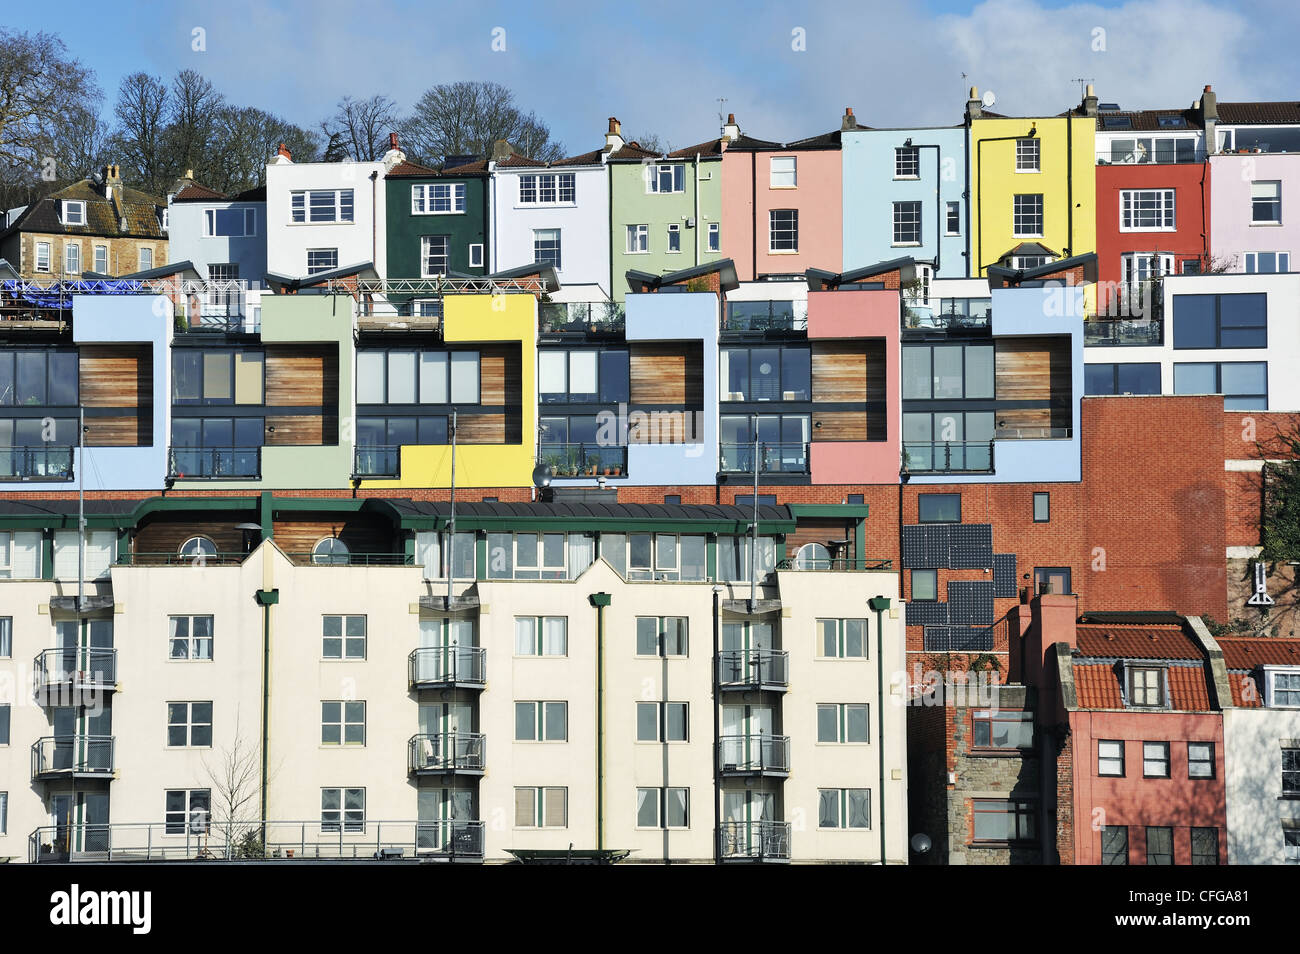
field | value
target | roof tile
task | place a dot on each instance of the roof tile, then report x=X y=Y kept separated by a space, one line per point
x=1136 y=642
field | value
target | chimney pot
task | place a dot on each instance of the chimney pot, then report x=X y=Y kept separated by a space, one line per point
x=1088 y=90
x=615 y=127
x=392 y=140
x=284 y=151
x=848 y=110
x=1208 y=89
x=731 y=118
x=974 y=92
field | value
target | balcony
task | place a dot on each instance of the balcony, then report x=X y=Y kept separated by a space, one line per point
x=377 y=460
x=446 y=753
x=746 y=669
x=213 y=307
x=65 y=671
x=293 y=841
x=1143 y=151
x=765 y=317
x=447 y=667
x=754 y=755
x=584 y=460
x=214 y=463
x=39 y=462
x=781 y=458
x=755 y=841
x=340 y=558
x=830 y=564
x=583 y=318
x=172 y=558
x=951 y=315
x=1106 y=332
x=72 y=756
x=948 y=457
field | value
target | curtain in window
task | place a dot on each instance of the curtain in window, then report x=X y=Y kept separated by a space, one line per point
x=828 y=809
x=554 y=636
x=428 y=554
x=553 y=808
x=676 y=807
x=6 y=637
x=859 y=808
x=647 y=808
x=582 y=553
x=525 y=636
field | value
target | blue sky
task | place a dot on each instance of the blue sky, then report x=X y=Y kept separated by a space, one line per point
x=661 y=67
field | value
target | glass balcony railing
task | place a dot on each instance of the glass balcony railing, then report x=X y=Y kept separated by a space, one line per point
x=742 y=316
x=582 y=317
x=64 y=669
x=73 y=756
x=1107 y=332
x=583 y=460
x=754 y=841
x=377 y=460
x=214 y=463
x=38 y=462
x=754 y=755
x=782 y=458
x=436 y=666
x=949 y=314
x=754 y=669
x=445 y=753
x=948 y=457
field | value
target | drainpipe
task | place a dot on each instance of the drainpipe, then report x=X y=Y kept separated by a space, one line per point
x=1069 y=185
x=938 y=205
x=753 y=216
x=374 y=221
x=880 y=604
x=717 y=741
x=979 y=168
x=266 y=599
x=609 y=179
x=697 y=209
x=600 y=601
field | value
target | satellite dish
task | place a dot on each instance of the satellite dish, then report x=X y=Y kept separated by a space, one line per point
x=812 y=556
x=921 y=842
x=542 y=475
x=989 y=99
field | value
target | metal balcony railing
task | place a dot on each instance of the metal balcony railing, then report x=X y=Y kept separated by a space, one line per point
x=754 y=669
x=754 y=755
x=583 y=317
x=80 y=668
x=1106 y=332
x=214 y=463
x=337 y=558
x=754 y=841
x=950 y=314
x=781 y=458
x=202 y=838
x=73 y=756
x=742 y=316
x=36 y=462
x=377 y=460
x=834 y=564
x=583 y=460
x=436 y=666
x=948 y=457
x=172 y=558
x=445 y=753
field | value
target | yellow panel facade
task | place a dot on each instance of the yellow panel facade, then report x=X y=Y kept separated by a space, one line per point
x=1065 y=178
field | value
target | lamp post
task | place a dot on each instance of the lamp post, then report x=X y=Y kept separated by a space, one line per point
x=880 y=604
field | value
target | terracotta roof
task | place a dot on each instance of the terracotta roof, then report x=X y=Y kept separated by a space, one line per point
x=711 y=148
x=1247 y=652
x=585 y=159
x=1245 y=114
x=1246 y=692
x=1149 y=120
x=1098 y=687
x=197 y=193
x=514 y=160
x=140 y=211
x=1136 y=642
x=408 y=168
x=478 y=166
x=632 y=152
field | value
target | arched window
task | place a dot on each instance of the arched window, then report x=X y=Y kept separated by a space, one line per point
x=198 y=548
x=330 y=550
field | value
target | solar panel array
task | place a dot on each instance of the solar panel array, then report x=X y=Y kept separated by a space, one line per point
x=1004 y=576
x=970 y=546
x=927 y=613
x=970 y=602
x=926 y=546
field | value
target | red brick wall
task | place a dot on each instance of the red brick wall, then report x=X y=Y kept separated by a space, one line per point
x=1065 y=820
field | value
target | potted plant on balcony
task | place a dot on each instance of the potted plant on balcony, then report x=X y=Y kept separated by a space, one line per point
x=593 y=464
x=572 y=462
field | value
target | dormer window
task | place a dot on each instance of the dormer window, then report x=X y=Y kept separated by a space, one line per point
x=74 y=213
x=1145 y=687
x=1282 y=687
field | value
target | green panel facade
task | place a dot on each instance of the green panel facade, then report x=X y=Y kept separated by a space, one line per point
x=407 y=226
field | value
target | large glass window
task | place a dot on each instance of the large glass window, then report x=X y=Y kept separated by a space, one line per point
x=417 y=377
x=38 y=378
x=1244 y=385
x=1141 y=378
x=948 y=371
x=1146 y=210
x=766 y=374
x=217 y=377
x=938 y=508
x=582 y=376
x=322 y=205
x=782 y=442
x=1221 y=321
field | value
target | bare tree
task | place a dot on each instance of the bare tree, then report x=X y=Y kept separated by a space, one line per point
x=236 y=788
x=653 y=142
x=362 y=126
x=245 y=138
x=191 y=124
x=468 y=117
x=81 y=146
x=141 y=111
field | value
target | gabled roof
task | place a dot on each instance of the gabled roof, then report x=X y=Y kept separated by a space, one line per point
x=140 y=210
x=1148 y=120
x=408 y=168
x=197 y=193
x=830 y=140
x=821 y=280
x=585 y=159
x=725 y=268
x=514 y=159
x=1258 y=114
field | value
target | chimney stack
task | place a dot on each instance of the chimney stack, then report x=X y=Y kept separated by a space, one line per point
x=730 y=131
x=112 y=177
x=282 y=156
x=1089 y=101
x=501 y=150
x=614 y=138
x=1209 y=109
x=394 y=156
x=849 y=121
x=974 y=105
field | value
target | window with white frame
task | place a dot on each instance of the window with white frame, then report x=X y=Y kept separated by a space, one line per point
x=662 y=722
x=663 y=808
x=1138 y=267
x=430 y=553
x=72 y=258
x=842 y=638
x=434 y=255
x=1146 y=686
x=783 y=230
x=547 y=188
x=101 y=259
x=1282 y=688
x=541 y=807
x=438 y=198
x=20 y=555
x=715 y=236
x=1023 y=262
x=638 y=239
x=674 y=237
x=952 y=218
x=843 y=722
x=540 y=556
x=321 y=205
x=1291 y=771
x=907 y=162
x=1027 y=151
x=74 y=212
x=1155 y=759
x=187 y=811
x=666 y=177
x=476 y=255
x=907 y=223
x=101 y=548
x=6 y=637
x=782 y=173
x=1110 y=757
x=1027 y=215
x=664 y=556
x=343 y=809
x=1266 y=203
x=541 y=635
x=1146 y=210
x=42 y=256
x=1267 y=262
x=541 y=721
x=146 y=259
x=661 y=636
x=229 y=223
x=844 y=808
x=322 y=260
x=343 y=637
x=546 y=247
x=1200 y=760
x=342 y=722
x=189 y=724
x=190 y=637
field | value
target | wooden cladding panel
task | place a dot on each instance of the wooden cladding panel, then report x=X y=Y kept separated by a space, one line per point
x=1032 y=369
x=362 y=534
x=500 y=376
x=819 y=531
x=166 y=536
x=670 y=372
x=481 y=429
x=302 y=376
x=295 y=429
x=840 y=371
x=116 y=375
x=840 y=426
x=1012 y=420
x=124 y=431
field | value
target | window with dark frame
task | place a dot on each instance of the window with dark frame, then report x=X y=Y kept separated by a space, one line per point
x=1160 y=845
x=1205 y=846
x=1042 y=506
x=938 y=508
x=925 y=586
x=783 y=230
x=1200 y=760
x=1155 y=760
x=1110 y=758
x=1054 y=580
x=1135 y=378
x=1291 y=773
x=907 y=162
x=1027 y=153
x=907 y=223
x=1027 y=216
x=1114 y=845
x=1243 y=384
x=1004 y=729
x=1146 y=686
x=1221 y=321
x=1001 y=821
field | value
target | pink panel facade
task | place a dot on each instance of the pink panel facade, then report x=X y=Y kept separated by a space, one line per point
x=1237 y=227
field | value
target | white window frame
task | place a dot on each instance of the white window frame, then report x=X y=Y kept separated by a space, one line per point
x=344 y=639
x=902 y=213
x=784 y=178
x=676 y=171
x=66 y=215
x=715 y=237
x=190 y=724
x=429 y=198
x=949 y=209
x=318 y=252
x=772 y=232
x=426 y=243
x=43 y=247
x=674 y=229
x=141 y=253
x=540 y=795
x=1251 y=262
x=659 y=798
x=539 y=647
x=539 y=719
x=1254 y=198
x=1029 y=159
x=476 y=255
x=338 y=820
x=69 y=248
x=1271 y=691
x=210 y=224
x=559 y=246
x=1020 y=218
x=95 y=250
x=544 y=570
x=300 y=206
x=1135 y=202
x=638 y=234
x=840 y=626
x=907 y=157
x=191 y=641
x=534 y=187
x=187 y=814
x=1136 y=267
x=31 y=570
x=343 y=722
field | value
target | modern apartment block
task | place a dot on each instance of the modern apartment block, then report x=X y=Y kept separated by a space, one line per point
x=602 y=677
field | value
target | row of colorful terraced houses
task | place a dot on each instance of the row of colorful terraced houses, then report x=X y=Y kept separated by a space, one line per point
x=952 y=452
